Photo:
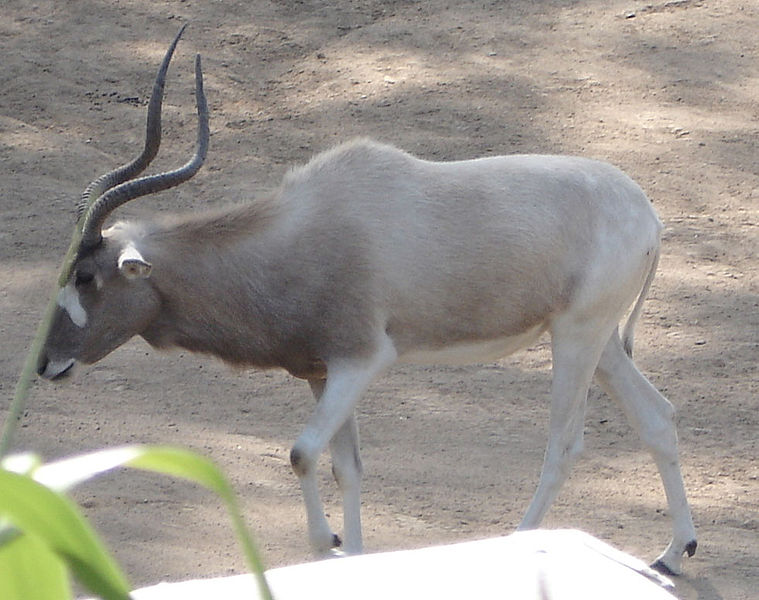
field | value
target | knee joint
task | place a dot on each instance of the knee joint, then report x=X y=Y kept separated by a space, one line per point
x=299 y=462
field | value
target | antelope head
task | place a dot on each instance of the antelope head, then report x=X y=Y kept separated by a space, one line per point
x=106 y=296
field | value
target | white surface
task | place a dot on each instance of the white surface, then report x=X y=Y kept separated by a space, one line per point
x=539 y=565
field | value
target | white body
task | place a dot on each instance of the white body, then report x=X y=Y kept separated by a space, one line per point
x=368 y=256
x=534 y=565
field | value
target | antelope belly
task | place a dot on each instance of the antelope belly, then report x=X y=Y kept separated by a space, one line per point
x=472 y=352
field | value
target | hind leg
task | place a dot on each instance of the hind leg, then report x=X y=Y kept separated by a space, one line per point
x=652 y=416
x=576 y=347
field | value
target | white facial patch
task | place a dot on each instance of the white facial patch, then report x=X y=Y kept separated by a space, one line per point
x=68 y=300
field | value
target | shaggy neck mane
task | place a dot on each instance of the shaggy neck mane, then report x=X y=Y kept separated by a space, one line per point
x=226 y=224
x=218 y=290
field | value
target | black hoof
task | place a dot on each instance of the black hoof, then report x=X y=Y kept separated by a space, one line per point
x=690 y=550
x=336 y=541
x=663 y=569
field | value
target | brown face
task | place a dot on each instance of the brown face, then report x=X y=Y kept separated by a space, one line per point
x=107 y=300
x=109 y=297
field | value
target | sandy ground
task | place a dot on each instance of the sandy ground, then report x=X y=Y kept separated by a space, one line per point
x=667 y=90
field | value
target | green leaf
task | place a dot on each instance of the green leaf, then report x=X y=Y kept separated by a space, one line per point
x=30 y=569
x=64 y=474
x=56 y=522
x=181 y=463
x=192 y=466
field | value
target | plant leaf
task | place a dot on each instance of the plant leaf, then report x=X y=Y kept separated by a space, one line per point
x=192 y=466
x=56 y=522
x=182 y=463
x=64 y=474
x=30 y=569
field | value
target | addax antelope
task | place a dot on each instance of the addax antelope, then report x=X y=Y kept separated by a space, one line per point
x=367 y=256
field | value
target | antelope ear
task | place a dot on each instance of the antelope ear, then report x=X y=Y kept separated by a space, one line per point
x=132 y=265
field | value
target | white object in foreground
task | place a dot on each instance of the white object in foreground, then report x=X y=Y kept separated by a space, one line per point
x=528 y=565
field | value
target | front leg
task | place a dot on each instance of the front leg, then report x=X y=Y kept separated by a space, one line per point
x=346 y=382
x=323 y=540
x=346 y=468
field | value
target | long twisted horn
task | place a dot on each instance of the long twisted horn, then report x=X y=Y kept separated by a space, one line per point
x=115 y=197
x=152 y=141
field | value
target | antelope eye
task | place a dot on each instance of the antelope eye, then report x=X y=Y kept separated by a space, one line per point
x=83 y=278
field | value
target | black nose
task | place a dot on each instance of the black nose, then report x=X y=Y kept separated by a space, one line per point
x=65 y=373
x=42 y=364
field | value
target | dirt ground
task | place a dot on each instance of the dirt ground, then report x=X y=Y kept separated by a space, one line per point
x=667 y=90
